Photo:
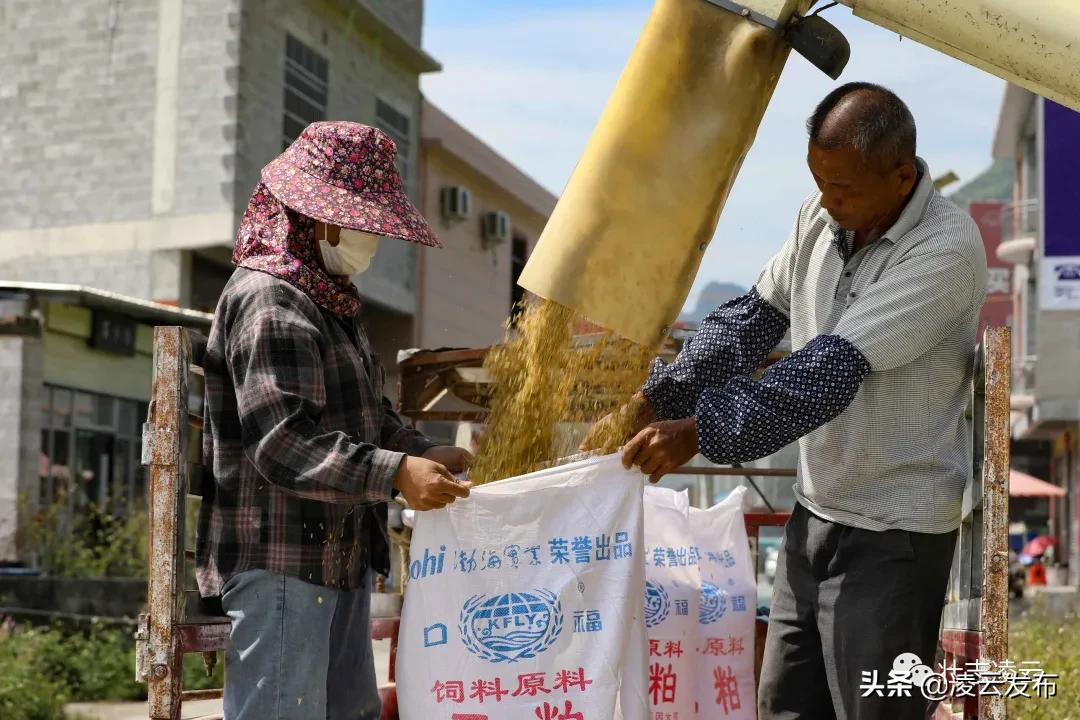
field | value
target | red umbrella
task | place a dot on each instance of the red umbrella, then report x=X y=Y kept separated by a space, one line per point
x=1038 y=545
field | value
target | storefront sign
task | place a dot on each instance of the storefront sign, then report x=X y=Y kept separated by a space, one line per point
x=1060 y=271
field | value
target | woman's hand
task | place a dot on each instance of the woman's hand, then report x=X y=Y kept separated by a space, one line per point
x=427 y=485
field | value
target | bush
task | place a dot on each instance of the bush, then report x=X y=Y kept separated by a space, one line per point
x=89 y=543
x=94 y=543
x=41 y=669
x=195 y=674
x=1051 y=641
x=93 y=664
x=27 y=693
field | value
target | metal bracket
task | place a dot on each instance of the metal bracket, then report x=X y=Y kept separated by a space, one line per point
x=143 y=656
x=734 y=7
x=812 y=36
x=147 y=456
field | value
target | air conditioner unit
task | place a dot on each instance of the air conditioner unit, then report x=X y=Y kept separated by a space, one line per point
x=496 y=227
x=456 y=203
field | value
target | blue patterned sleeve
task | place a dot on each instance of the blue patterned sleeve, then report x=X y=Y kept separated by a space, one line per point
x=749 y=419
x=733 y=340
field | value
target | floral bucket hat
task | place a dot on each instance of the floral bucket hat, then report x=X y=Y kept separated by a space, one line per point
x=343 y=173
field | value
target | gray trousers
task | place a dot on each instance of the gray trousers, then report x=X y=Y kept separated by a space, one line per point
x=297 y=651
x=845 y=601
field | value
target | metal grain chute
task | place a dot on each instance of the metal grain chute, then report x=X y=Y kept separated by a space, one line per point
x=1033 y=44
x=626 y=238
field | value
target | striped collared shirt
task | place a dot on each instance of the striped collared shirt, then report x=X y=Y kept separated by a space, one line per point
x=880 y=375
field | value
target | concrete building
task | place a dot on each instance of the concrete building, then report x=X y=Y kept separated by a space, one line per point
x=489 y=216
x=1041 y=239
x=75 y=377
x=133 y=134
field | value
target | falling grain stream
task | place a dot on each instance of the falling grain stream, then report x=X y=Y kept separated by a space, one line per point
x=548 y=386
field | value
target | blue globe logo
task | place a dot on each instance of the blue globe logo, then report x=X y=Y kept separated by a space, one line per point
x=511 y=627
x=713 y=604
x=657 y=604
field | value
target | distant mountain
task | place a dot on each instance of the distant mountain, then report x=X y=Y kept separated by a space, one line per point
x=994 y=183
x=711 y=297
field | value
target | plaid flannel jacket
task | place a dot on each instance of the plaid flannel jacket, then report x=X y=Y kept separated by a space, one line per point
x=302 y=443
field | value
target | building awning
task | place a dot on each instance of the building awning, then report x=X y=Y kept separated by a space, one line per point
x=142 y=310
x=1024 y=485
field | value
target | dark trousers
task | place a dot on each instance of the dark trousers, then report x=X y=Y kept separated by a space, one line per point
x=846 y=601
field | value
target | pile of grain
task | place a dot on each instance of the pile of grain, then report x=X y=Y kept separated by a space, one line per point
x=549 y=386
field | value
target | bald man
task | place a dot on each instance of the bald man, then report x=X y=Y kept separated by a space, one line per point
x=880 y=284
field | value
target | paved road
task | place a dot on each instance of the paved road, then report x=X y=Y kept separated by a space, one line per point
x=137 y=710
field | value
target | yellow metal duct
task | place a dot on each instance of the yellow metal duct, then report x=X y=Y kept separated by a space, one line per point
x=1033 y=43
x=627 y=235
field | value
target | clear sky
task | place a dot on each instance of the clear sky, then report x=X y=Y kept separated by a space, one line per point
x=531 y=79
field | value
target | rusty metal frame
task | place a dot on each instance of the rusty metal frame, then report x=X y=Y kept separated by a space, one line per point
x=159 y=657
x=976 y=619
x=994 y=616
x=174 y=625
x=975 y=622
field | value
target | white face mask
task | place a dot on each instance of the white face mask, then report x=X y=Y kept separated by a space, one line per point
x=353 y=252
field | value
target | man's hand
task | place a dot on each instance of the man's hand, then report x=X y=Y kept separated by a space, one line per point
x=615 y=428
x=455 y=459
x=662 y=447
x=427 y=485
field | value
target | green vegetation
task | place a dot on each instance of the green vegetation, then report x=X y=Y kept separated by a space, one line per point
x=94 y=543
x=91 y=544
x=1052 y=642
x=994 y=183
x=41 y=669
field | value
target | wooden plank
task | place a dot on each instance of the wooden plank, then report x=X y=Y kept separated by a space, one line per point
x=994 y=621
x=470 y=375
x=439 y=357
x=445 y=415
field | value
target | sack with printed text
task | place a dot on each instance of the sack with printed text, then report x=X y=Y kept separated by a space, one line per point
x=671 y=603
x=726 y=615
x=517 y=605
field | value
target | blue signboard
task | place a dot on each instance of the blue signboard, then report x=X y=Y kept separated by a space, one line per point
x=1060 y=271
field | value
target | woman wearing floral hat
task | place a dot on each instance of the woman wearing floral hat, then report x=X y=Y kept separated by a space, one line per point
x=305 y=449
